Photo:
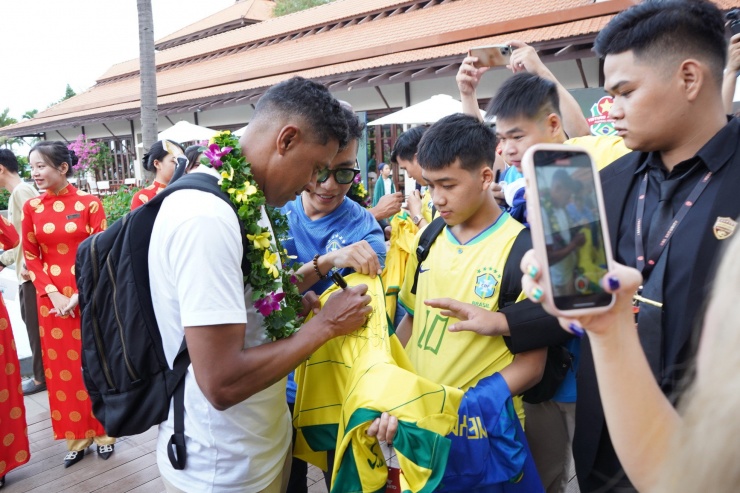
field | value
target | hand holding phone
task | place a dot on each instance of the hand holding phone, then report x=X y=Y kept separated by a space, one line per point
x=569 y=232
x=491 y=56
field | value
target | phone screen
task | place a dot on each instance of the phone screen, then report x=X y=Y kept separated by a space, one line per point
x=573 y=231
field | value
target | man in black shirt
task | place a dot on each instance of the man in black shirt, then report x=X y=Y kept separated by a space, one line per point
x=670 y=206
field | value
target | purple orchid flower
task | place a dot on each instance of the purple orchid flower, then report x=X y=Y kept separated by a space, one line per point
x=214 y=153
x=269 y=303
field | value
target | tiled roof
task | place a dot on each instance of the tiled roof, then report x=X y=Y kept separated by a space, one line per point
x=248 y=11
x=316 y=16
x=436 y=35
x=361 y=42
x=453 y=51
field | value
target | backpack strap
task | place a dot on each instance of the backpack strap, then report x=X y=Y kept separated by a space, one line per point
x=176 y=450
x=428 y=236
x=511 y=280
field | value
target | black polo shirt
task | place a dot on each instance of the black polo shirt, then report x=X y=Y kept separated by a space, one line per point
x=683 y=292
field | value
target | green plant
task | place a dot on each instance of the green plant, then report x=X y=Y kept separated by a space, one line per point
x=117 y=204
x=285 y=7
x=24 y=169
x=4 y=198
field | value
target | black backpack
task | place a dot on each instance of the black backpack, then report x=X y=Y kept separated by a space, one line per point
x=559 y=359
x=123 y=361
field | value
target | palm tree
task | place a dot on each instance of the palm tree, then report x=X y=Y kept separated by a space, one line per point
x=30 y=114
x=5 y=120
x=148 y=73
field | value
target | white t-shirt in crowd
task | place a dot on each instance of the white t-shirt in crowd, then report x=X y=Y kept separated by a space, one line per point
x=195 y=273
x=388 y=184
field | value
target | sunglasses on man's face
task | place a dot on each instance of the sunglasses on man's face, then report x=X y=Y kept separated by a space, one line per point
x=343 y=176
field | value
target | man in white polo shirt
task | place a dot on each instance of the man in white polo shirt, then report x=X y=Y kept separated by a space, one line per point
x=237 y=425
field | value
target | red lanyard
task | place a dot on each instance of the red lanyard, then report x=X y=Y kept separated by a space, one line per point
x=659 y=246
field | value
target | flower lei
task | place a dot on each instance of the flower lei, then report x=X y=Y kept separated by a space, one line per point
x=357 y=191
x=281 y=310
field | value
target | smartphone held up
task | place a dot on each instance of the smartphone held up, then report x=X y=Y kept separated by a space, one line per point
x=491 y=56
x=565 y=210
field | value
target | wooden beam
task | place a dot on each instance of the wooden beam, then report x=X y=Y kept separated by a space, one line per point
x=583 y=74
x=453 y=67
x=400 y=75
x=109 y=130
x=358 y=81
x=565 y=50
x=65 y=140
x=340 y=83
x=380 y=93
x=422 y=72
x=379 y=78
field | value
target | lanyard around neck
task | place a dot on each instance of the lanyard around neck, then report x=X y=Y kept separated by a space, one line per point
x=646 y=265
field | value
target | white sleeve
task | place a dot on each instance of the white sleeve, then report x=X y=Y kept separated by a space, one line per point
x=206 y=254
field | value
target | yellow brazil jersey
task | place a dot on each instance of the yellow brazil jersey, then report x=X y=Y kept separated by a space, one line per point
x=403 y=232
x=605 y=149
x=348 y=382
x=427 y=206
x=470 y=273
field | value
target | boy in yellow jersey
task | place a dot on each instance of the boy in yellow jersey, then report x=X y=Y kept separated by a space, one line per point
x=404 y=153
x=466 y=262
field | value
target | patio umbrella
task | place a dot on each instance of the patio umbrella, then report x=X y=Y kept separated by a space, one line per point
x=238 y=132
x=428 y=111
x=184 y=131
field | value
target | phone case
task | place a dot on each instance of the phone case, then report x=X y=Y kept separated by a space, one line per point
x=491 y=56
x=534 y=217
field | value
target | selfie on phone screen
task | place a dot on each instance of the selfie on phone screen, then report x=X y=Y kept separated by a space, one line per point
x=572 y=228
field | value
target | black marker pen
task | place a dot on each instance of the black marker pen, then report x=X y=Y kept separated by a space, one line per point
x=339 y=280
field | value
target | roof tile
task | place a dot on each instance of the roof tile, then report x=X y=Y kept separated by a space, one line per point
x=254 y=10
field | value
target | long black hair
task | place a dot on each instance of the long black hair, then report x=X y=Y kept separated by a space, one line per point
x=156 y=153
x=55 y=153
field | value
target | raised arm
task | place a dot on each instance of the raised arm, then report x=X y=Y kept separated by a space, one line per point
x=525 y=58
x=468 y=78
x=731 y=72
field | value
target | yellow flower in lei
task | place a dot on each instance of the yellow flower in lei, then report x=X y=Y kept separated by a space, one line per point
x=269 y=262
x=272 y=272
x=261 y=240
x=242 y=194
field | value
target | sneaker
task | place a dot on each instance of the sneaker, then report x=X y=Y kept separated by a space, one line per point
x=73 y=458
x=105 y=451
x=30 y=387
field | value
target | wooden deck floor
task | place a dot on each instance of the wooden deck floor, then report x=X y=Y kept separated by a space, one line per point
x=131 y=468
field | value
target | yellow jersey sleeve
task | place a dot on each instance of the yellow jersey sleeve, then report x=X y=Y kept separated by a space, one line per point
x=405 y=296
x=605 y=149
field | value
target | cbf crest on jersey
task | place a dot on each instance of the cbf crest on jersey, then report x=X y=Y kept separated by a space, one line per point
x=336 y=242
x=486 y=282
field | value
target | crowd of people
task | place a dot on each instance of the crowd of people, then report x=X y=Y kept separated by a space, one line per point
x=639 y=398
